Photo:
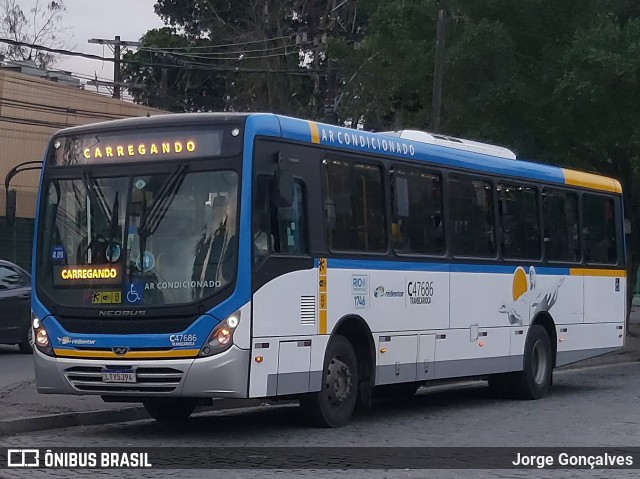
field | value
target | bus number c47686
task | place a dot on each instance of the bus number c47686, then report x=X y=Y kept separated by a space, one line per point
x=420 y=292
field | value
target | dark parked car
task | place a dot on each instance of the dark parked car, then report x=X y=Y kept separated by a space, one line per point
x=15 y=306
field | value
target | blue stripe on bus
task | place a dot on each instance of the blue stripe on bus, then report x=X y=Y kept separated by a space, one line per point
x=380 y=265
x=60 y=339
x=259 y=124
x=36 y=306
x=295 y=129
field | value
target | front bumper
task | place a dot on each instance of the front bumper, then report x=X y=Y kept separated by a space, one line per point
x=224 y=375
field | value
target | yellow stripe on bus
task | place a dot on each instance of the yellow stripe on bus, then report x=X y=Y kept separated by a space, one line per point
x=315 y=133
x=322 y=295
x=174 y=353
x=589 y=180
x=598 y=272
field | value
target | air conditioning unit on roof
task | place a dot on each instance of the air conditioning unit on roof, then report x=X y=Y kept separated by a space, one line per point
x=452 y=142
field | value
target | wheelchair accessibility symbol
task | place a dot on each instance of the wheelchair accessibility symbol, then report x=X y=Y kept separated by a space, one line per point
x=133 y=294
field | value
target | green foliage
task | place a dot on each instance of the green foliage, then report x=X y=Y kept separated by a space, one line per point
x=241 y=56
x=555 y=81
x=159 y=82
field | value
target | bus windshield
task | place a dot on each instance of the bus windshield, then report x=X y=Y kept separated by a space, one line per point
x=147 y=240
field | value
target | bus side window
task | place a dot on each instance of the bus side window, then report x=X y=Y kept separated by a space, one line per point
x=417 y=212
x=354 y=206
x=278 y=230
x=472 y=216
x=561 y=225
x=291 y=232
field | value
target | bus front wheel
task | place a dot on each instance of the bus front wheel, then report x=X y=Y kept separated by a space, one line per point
x=534 y=380
x=333 y=405
x=169 y=410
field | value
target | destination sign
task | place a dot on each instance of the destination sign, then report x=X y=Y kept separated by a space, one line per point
x=142 y=146
x=91 y=274
x=141 y=149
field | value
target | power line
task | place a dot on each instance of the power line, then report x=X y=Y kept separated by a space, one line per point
x=181 y=64
x=214 y=54
x=228 y=44
x=54 y=50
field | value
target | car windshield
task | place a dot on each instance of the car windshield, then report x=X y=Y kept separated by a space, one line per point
x=149 y=240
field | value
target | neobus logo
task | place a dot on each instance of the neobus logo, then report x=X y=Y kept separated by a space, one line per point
x=121 y=312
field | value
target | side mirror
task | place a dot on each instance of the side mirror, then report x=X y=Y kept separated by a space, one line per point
x=11 y=206
x=284 y=183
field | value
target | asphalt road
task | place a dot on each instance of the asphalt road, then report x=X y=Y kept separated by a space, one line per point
x=594 y=407
x=14 y=367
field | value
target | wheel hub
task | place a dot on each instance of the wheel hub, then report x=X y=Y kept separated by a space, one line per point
x=339 y=379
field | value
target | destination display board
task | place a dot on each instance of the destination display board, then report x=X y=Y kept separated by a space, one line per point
x=143 y=146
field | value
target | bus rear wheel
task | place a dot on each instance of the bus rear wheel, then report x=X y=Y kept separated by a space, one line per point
x=333 y=405
x=534 y=380
x=169 y=410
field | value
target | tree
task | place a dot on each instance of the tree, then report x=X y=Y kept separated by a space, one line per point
x=41 y=25
x=387 y=80
x=219 y=55
x=556 y=81
x=241 y=56
x=160 y=80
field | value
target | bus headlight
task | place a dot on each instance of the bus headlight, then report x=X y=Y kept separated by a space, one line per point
x=221 y=338
x=40 y=336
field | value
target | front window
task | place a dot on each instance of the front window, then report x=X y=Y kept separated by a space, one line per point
x=146 y=240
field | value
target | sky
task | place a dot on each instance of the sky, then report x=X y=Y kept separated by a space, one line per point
x=101 y=19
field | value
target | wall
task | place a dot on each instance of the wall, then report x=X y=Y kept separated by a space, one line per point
x=32 y=109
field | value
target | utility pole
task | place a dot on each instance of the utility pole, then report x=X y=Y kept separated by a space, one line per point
x=116 y=47
x=330 y=114
x=438 y=69
x=116 y=68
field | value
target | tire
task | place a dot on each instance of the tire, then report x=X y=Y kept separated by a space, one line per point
x=169 y=410
x=26 y=346
x=334 y=404
x=535 y=379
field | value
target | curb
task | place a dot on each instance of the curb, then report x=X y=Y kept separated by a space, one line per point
x=40 y=423
x=110 y=416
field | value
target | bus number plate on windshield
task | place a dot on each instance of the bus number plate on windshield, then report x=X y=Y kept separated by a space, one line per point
x=118 y=376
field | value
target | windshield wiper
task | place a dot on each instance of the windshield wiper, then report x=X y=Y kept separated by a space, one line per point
x=113 y=231
x=95 y=194
x=151 y=219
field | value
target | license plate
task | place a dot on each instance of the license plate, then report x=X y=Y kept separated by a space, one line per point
x=110 y=376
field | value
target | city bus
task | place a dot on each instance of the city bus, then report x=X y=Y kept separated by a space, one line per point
x=180 y=258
